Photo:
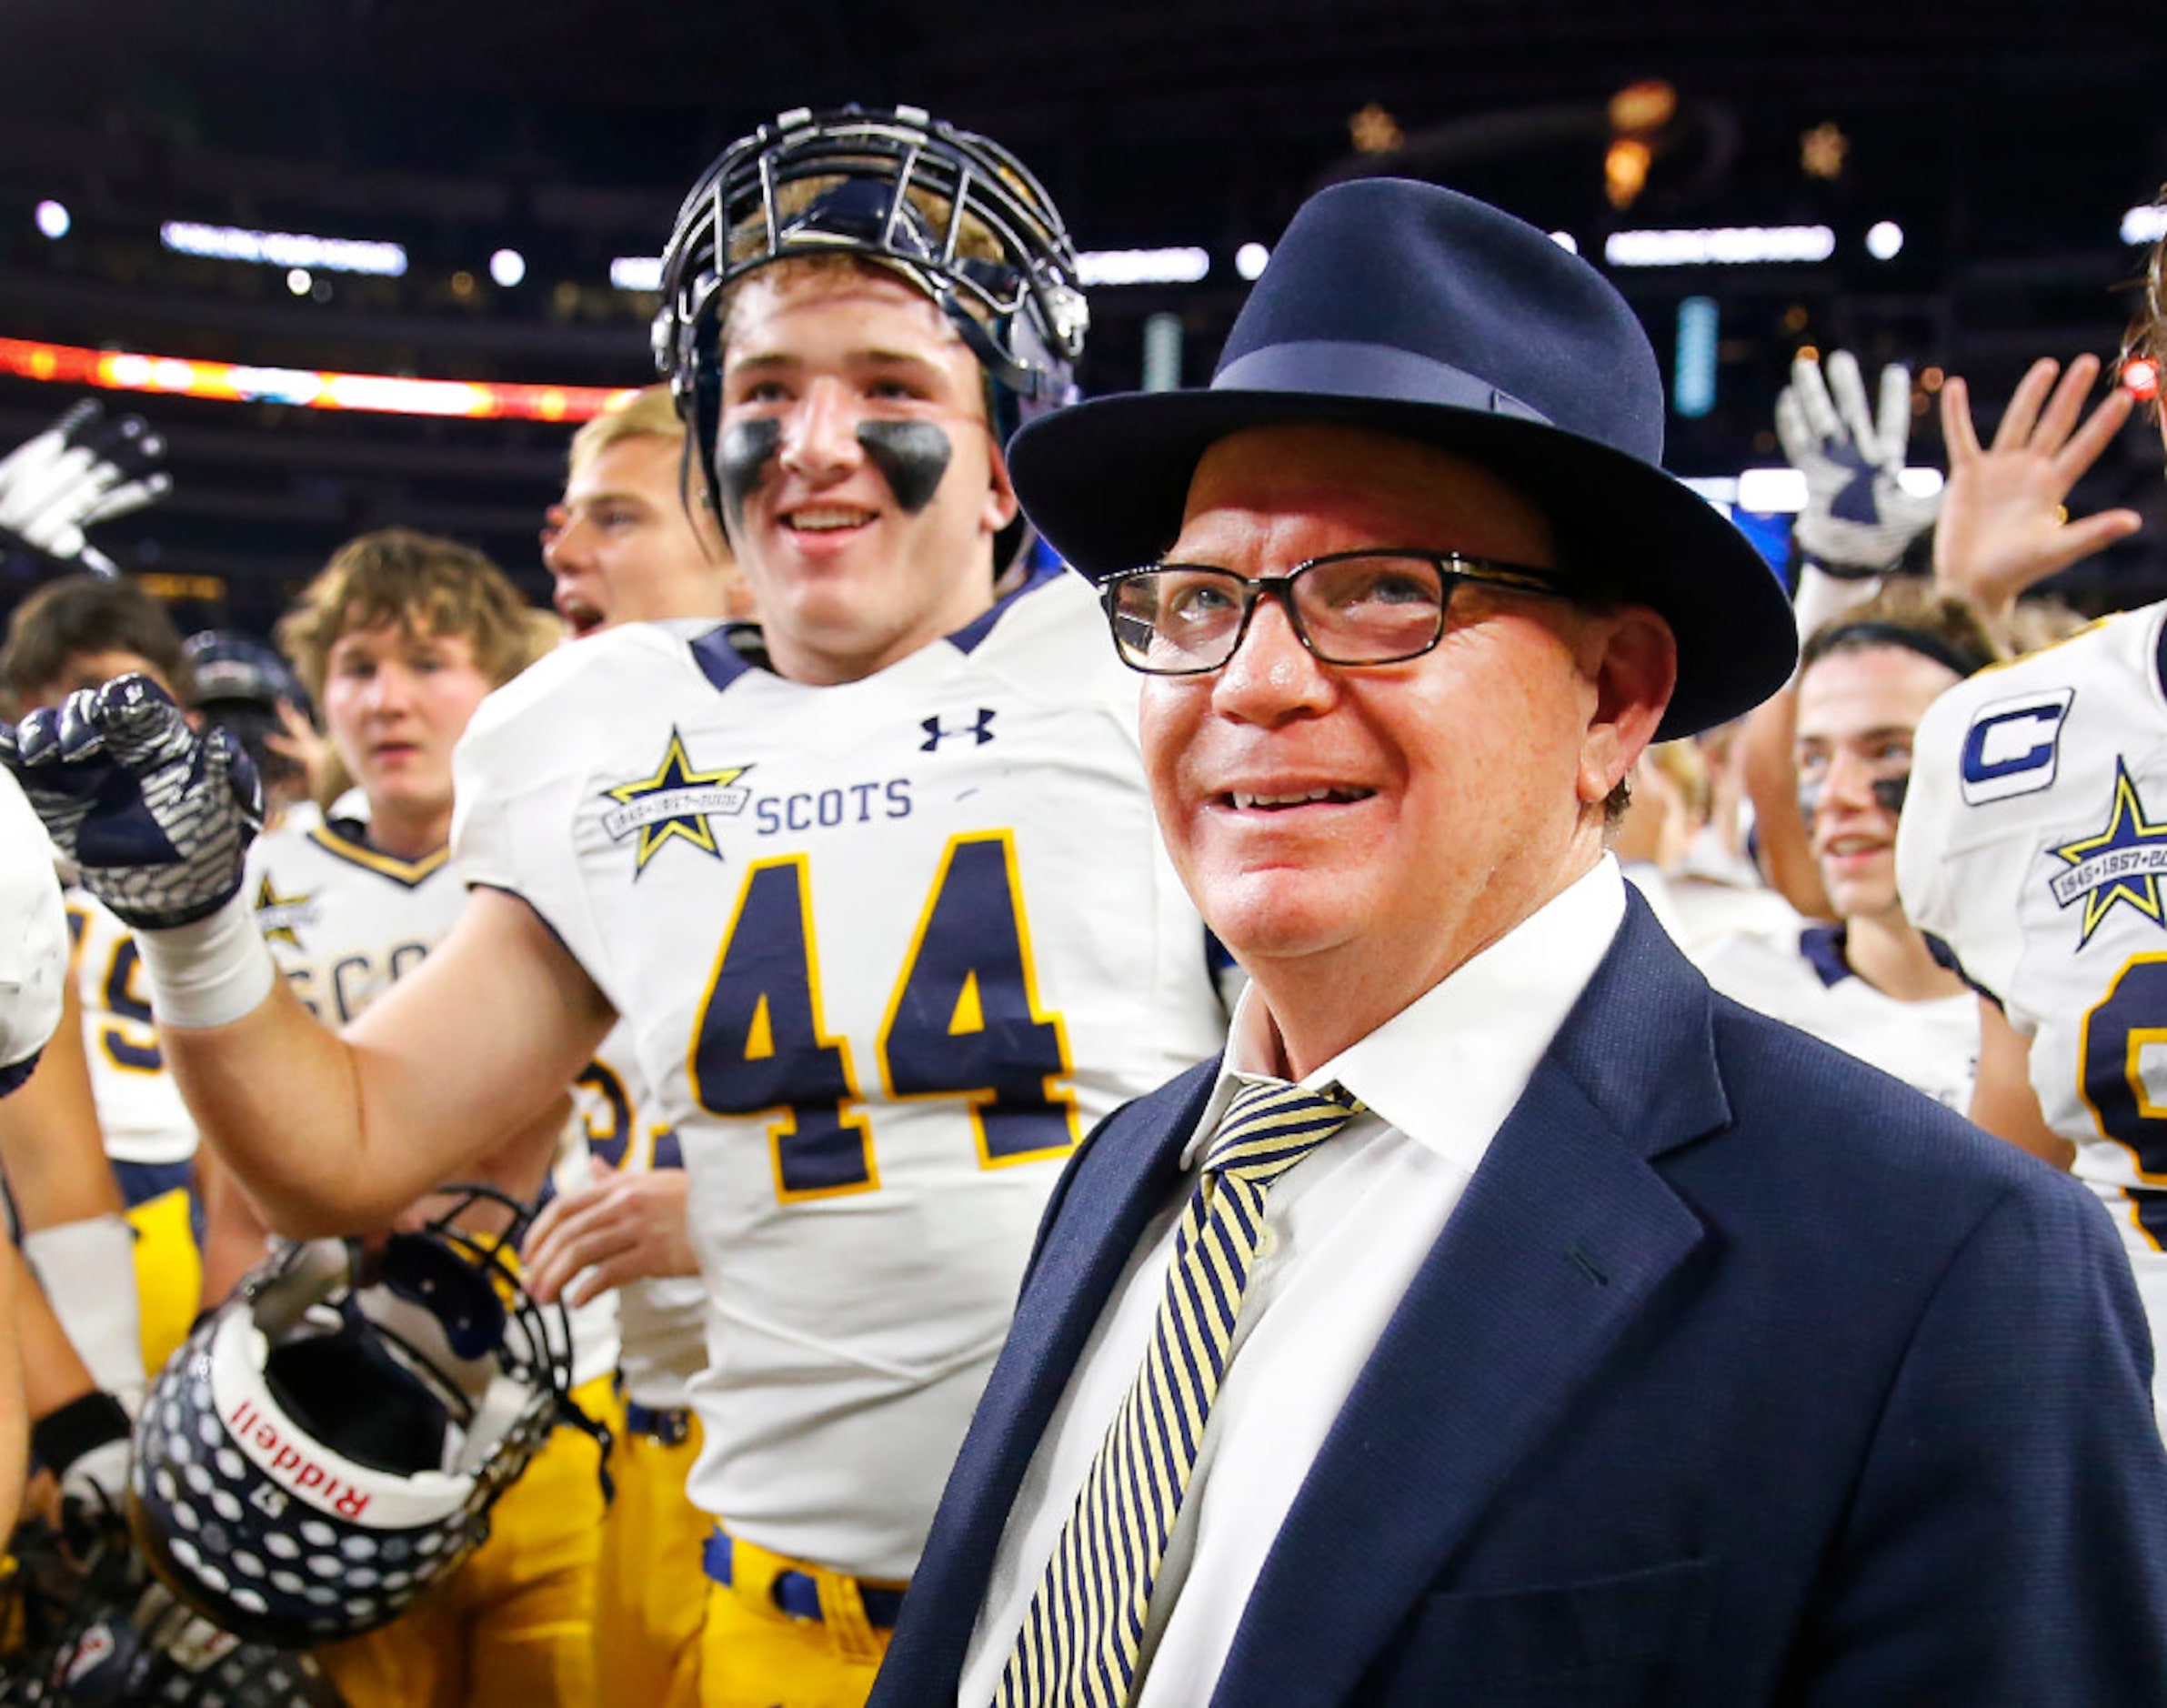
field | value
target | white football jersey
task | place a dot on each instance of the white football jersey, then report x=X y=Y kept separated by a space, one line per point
x=344 y=922
x=139 y=1107
x=1802 y=977
x=662 y=1322
x=2029 y=844
x=888 y=950
x=33 y=929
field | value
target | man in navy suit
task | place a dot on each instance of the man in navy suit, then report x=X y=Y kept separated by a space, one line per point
x=1619 y=1345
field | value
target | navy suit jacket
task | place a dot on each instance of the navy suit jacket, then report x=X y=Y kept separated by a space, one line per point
x=1740 y=1374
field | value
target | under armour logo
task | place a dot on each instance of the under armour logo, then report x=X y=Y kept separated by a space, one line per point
x=980 y=727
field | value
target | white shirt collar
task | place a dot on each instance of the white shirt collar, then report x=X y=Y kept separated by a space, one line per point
x=1480 y=1029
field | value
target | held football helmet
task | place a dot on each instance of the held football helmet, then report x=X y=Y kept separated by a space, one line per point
x=902 y=188
x=329 y=1442
x=86 y=1623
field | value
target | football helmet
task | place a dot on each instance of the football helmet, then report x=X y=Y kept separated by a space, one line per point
x=904 y=189
x=329 y=1442
x=239 y=683
x=86 y=1623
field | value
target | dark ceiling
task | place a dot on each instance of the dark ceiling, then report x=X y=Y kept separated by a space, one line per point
x=2006 y=138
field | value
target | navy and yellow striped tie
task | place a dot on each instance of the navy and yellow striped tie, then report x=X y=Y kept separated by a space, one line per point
x=1084 y=1629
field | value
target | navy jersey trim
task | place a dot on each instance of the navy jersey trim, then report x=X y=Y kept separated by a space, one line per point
x=727 y=651
x=2158 y=659
x=1827 y=949
x=1822 y=946
x=967 y=639
x=411 y=874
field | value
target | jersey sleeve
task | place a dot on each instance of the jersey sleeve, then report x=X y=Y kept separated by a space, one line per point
x=516 y=777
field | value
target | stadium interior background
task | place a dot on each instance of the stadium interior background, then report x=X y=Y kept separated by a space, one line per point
x=2006 y=143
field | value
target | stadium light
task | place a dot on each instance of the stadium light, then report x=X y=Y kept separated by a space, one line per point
x=54 y=219
x=2144 y=225
x=508 y=268
x=1721 y=246
x=1566 y=241
x=1884 y=240
x=1249 y=260
x=637 y=272
x=284 y=248
x=1142 y=267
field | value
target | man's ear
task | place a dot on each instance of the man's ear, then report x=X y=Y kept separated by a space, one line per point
x=1001 y=507
x=1632 y=659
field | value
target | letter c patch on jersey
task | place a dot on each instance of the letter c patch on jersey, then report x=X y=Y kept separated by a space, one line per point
x=2013 y=746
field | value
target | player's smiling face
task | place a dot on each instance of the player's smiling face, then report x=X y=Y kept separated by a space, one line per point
x=621 y=546
x=1857 y=714
x=860 y=545
x=396 y=703
x=1377 y=825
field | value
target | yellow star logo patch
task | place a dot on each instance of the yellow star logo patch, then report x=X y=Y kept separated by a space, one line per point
x=675 y=801
x=2119 y=863
x=278 y=917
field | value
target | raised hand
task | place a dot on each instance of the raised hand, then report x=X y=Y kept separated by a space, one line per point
x=155 y=818
x=1858 y=520
x=2004 y=527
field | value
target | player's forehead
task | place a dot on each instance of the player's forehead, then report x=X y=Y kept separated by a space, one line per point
x=1855 y=692
x=94 y=666
x=386 y=633
x=643 y=465
x=834 y=309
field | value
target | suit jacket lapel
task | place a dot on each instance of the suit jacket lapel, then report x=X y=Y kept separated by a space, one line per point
x=1562 y=1235
x=1125 y=1173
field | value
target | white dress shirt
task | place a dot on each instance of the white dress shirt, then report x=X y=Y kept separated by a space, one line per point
x=1345 y=1232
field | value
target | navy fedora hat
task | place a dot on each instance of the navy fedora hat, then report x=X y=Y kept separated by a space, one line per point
x=1413 y=310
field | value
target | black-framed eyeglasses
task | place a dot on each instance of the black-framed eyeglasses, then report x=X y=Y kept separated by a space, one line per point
x=1376 y=607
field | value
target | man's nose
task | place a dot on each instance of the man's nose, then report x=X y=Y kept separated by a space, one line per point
x=391 y=688
x=565 y=544
x=1848 y=781
x=1271 y=675
x=820 y=434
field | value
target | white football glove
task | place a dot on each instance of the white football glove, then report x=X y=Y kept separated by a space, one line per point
x=155 y=818
x=1858 y=520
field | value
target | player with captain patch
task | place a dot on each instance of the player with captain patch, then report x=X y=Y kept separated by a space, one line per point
x=2035 y=845
x=878 y=888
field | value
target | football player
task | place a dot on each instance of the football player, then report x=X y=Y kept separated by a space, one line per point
x=2036 y=836
x=1871 y=983
x=77 y=632
x=878 y=888
x=636 y=539
x=399 y=639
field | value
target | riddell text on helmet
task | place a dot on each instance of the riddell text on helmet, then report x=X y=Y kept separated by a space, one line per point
x=289 y=1465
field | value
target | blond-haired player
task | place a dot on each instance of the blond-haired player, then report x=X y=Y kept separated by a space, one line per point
x=635 y=539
